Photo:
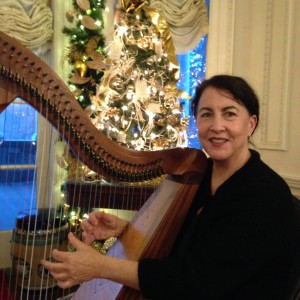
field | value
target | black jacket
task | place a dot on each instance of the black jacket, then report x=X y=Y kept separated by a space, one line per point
x=238 y=247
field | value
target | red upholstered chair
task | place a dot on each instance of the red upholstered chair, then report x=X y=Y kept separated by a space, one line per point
x=4 y=292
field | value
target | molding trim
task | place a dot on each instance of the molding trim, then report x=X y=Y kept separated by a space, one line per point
x=294 y=184
x=60 y=41
x=221 y=37
x=276 y=75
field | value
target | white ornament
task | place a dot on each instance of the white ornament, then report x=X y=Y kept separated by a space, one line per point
x=115 y=50
x=140 y=143
x=154 y=107
x=141 y=88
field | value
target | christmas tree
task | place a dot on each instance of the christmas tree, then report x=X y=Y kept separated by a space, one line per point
x=136 y=103
x=86 y=52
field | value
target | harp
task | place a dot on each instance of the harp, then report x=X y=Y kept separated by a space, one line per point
x=153 y=229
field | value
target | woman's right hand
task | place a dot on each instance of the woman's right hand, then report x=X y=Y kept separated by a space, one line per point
x=101 y=226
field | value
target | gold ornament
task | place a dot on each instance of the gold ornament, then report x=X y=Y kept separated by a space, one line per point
x=159 y=144
x=160 y=122
x=185 y=121
x=81 y=67
x=173 y=120
x=130 y=88
x=113 y=111
x=116 y=84
x=150 y=61
x=121 y=138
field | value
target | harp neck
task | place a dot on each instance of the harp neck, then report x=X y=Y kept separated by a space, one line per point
x=25 y=75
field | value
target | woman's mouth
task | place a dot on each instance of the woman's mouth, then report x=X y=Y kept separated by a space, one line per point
x=218 y=141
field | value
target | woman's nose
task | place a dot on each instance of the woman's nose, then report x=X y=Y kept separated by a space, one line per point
x=217 y=124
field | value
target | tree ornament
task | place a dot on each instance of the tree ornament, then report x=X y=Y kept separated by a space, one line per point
x=96 y=65
x=140 y=143
x=160 y=122
x=132 y=51
x=76 y=79
x=81 y=67
x=130 y=88
x=122 y=137
x=154 y=107
x=88 y=22
x=117 y=84
x=92 y=45
x=70 y=15
x=115 y=49
x=141 y=88
x=159 y=144
x=83 y=4
x=173 y=120
x=132 y=5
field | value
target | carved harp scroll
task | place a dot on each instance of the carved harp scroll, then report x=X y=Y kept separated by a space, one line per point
x=24 y=75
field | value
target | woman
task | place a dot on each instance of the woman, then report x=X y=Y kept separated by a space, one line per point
x=236 y=242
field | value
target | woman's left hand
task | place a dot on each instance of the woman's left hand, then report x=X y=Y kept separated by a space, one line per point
x=76 y=267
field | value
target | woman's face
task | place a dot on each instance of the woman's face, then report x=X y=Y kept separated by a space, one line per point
x=224 y=126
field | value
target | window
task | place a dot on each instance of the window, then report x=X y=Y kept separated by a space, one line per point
x=192 y=68
x=18 y=136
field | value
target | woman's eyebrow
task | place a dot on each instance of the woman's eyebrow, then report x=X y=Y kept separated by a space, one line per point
x=204 y=108
x=229 y=107
x=223 y=109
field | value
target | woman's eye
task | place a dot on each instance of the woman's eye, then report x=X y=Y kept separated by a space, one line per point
x=230 y=114
x=204 y=114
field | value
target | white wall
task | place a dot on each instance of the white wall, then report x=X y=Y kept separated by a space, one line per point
x=260 y=41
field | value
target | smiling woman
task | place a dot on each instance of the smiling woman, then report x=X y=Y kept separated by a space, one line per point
x=227 y=113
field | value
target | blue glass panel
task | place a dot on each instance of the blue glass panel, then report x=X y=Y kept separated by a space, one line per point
x=18 y=133
x=192 y=69
x=18 y=123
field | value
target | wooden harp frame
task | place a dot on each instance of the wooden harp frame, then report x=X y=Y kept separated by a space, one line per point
x=24 y=75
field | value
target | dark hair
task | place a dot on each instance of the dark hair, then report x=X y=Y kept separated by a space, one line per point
x=241 y=91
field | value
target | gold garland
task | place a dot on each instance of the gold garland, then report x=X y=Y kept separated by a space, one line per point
x=131 y=5
x=160 y=23
x=163 y=29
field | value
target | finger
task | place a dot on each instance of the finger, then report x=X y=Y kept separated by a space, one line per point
x=84 y=235
x=60 y=256
x=105 y=216
x=74 y=241
x=87 y=226
x=61 y=276
x=51 y=266
x=46 y=264
x=93 y=218
x=65 y=284
x=88 y=238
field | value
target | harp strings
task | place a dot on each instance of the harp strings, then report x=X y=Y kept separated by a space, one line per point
x=33 y=237
x=30 y=233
